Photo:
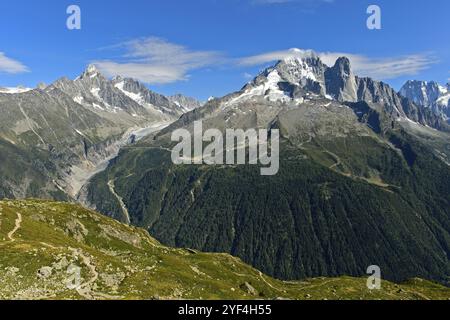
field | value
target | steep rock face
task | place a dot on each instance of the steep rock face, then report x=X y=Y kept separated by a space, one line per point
x=185 y=103
x=341 y=82
x=51 y=131
x=92 y=90
x=145 y=97
x=290 y=78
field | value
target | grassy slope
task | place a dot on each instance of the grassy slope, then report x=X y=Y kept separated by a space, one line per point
x=122 y=262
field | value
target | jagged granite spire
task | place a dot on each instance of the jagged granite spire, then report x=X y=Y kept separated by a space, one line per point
x=340 y=81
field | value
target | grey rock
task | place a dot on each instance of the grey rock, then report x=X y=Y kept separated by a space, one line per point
x=429 y=95
x=45 y=272
x=248 y=288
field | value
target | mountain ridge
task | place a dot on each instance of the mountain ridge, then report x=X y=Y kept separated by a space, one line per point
x=429 y=95
x=75 y=126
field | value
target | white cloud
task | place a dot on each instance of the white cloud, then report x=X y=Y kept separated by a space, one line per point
x=377 y=68
x=156 y=61
x=9 y=65
x=384 y=68
x=272 y=56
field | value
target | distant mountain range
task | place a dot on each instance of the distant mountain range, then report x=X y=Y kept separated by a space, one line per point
x=364 y=179
x=364 y=170
x=429 y=95
x=54 y=137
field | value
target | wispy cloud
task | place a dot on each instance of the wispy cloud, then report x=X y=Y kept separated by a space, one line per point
x=9 y=65
x=272 y=56
x=156 y=61
x=384 y=68
x=378 y=68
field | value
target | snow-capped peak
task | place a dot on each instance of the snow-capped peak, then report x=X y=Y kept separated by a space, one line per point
x=429 y=95
x=296 y=54
x=91 y=72
x=91 y=69
x=300 y=65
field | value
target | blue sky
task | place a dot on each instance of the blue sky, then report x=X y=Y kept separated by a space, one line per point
x=208 y=48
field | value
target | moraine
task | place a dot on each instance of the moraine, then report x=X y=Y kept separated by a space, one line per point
x=81 y=174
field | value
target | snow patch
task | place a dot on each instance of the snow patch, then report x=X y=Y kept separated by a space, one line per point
x=78 y=99
x=96 y=106
x=14 y=90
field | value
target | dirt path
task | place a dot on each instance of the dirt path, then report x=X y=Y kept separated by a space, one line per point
x=261 y=275
x=336 y=158
x=16 y=227
x=305 y=142
x=85 y=289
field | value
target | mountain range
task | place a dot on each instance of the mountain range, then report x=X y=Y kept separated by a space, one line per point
x=364 y=170
x=54 y=137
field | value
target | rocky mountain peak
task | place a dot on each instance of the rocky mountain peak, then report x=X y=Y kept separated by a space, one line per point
x=184 y=102
x=302 y=76
x=344 y=66
x=90 y=72
x=301 y=66
x=340 y=81
x=429 y=95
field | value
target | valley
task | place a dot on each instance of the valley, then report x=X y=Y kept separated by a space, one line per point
x=363 y=180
